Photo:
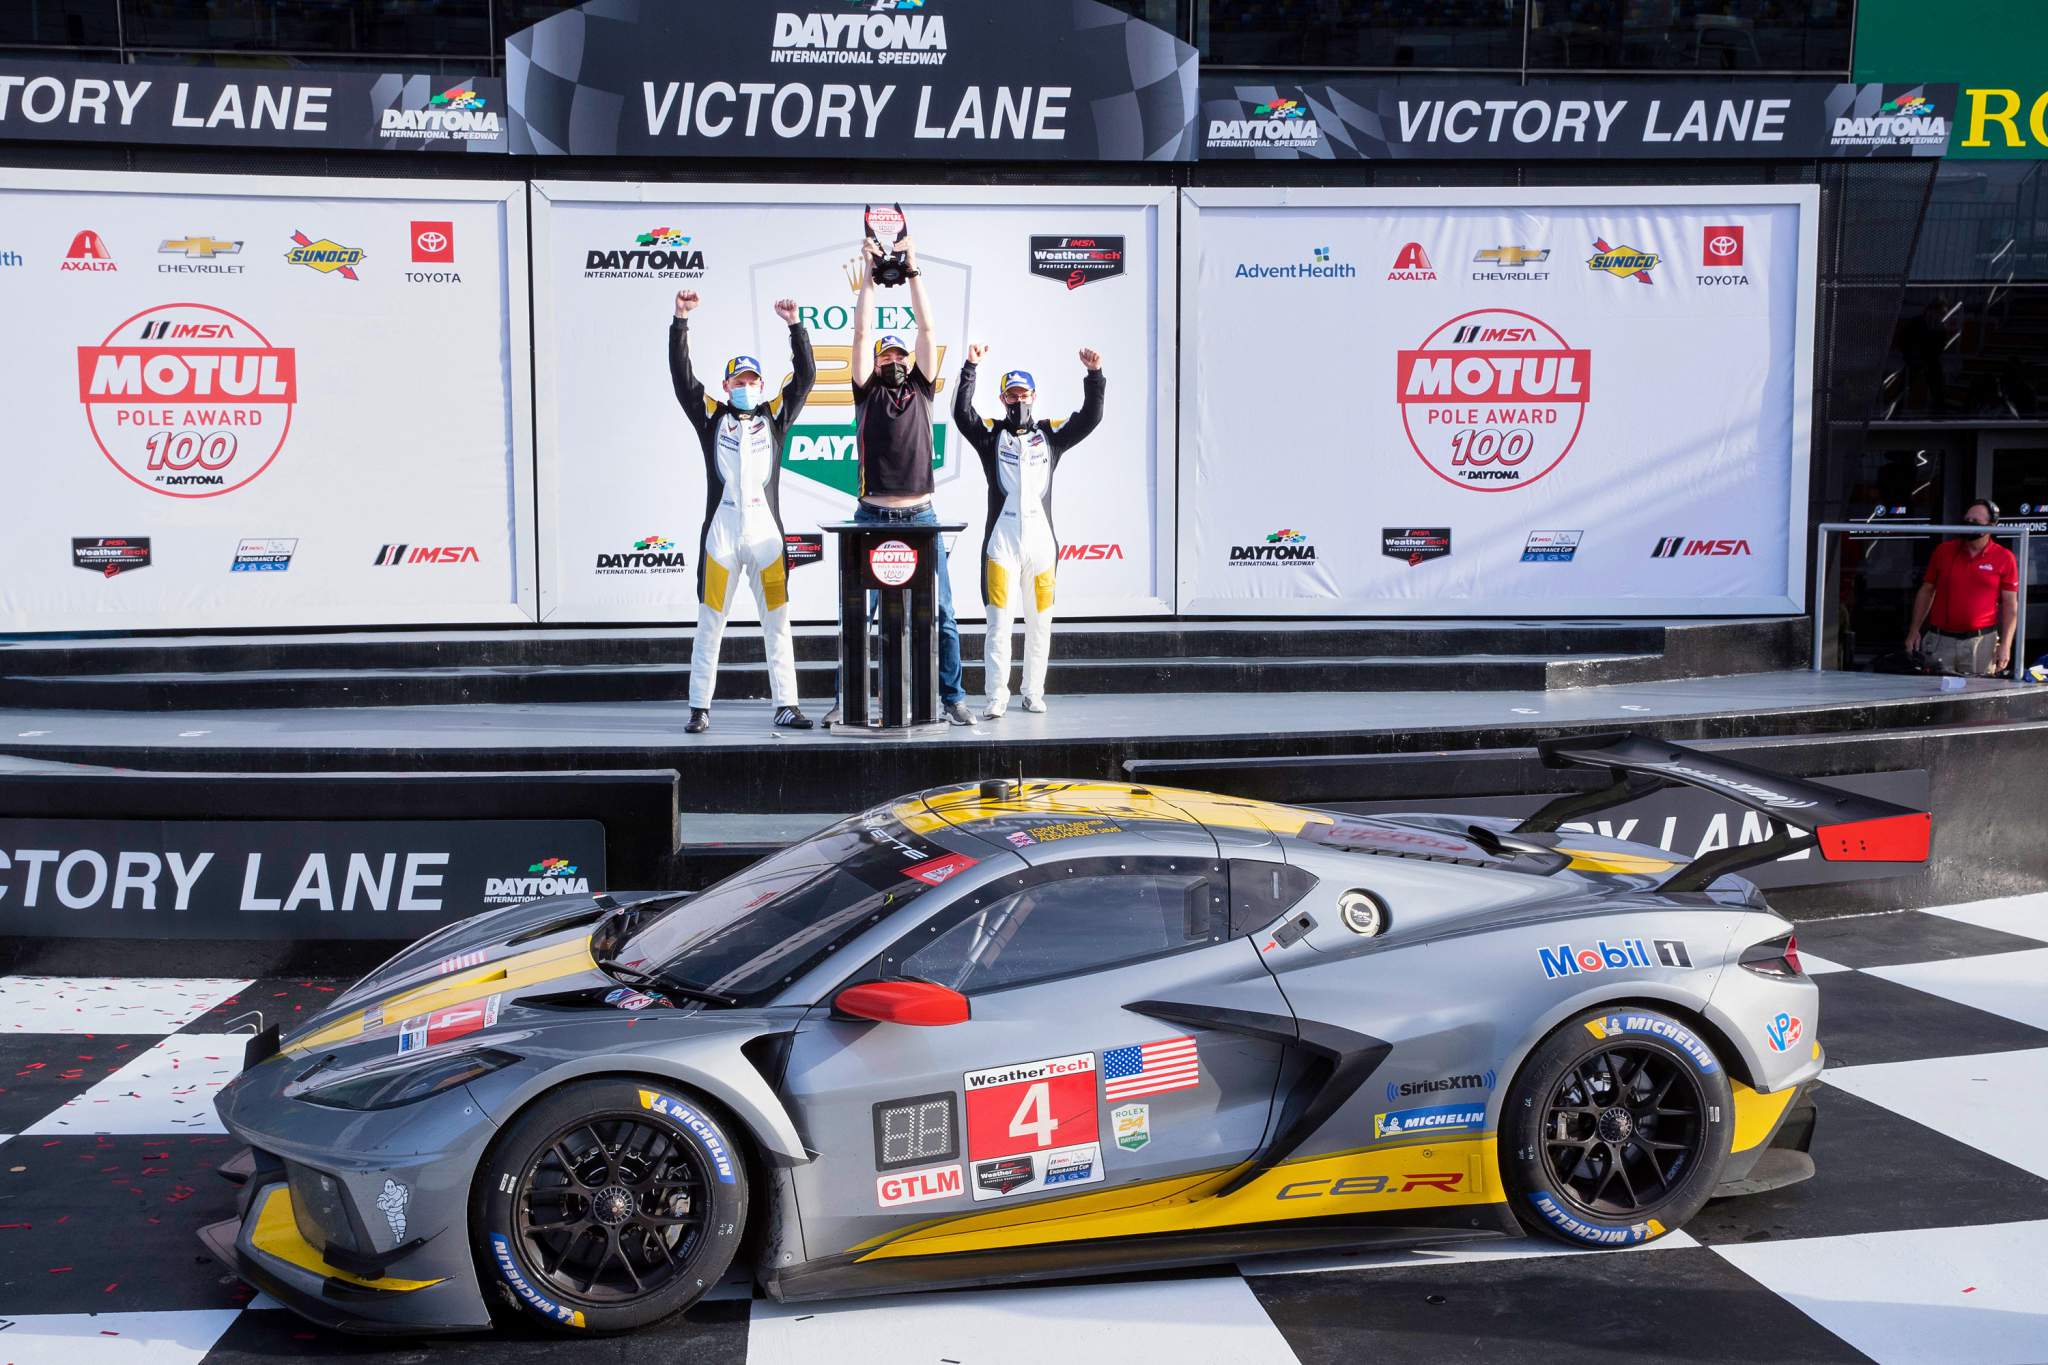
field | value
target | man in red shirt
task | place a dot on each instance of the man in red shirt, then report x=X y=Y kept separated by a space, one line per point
x=1968 y=601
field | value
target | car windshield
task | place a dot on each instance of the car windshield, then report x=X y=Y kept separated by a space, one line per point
x=760 y=929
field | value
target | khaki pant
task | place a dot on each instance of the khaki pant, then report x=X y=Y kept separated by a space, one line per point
x=1969 y=656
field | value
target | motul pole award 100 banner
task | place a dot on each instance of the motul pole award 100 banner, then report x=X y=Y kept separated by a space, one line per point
x=255 y=402
x=1492 y=402
x=1034 y=272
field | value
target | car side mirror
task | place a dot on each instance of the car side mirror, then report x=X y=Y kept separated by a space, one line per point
x=903 y=1002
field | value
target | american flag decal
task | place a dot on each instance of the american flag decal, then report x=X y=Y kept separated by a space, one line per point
x=1169 y=1064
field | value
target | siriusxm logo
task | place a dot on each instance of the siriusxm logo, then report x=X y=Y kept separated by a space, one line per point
x=1470 y=1081
x=1565 y=960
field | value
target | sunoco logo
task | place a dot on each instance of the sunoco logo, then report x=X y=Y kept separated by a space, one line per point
x=657 y=254
x=548 y=877
x=1280 y=547
x=650 y=554
x=1500 y=410
x=880 y=38
x=188 y=400
x=457 y=113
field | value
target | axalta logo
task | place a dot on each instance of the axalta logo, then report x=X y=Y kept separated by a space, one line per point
x=88 y=253
x=1411 y=262
x=650 y=554
x=659 y=253
x=198 y=253
x=1501 y=415
x=1690 y=547
x=457 y=112
x=325 y=256
x=548 y=877
x=1565 y=960
x=188 y=400
x=1510 y=263
x=1281 y=547
x=1091 y=552
x=880 y=37
x=391 y=556
x=1623 y=262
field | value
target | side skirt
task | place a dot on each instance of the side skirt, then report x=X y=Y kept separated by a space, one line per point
x=844 y=1276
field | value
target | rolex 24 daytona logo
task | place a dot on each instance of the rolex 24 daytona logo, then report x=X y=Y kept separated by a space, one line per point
x=188 y=400
x=1493 y=399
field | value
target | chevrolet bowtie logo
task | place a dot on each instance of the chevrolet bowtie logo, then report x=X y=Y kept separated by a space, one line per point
x=201 y=247
x=1514 y=255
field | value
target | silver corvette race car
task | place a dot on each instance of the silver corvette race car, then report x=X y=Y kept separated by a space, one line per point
x=1020 y=1030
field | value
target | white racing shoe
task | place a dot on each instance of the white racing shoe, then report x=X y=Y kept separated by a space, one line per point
x=1035 y=705
x=996 y=709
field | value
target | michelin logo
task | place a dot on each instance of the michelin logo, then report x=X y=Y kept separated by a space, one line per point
x=669 y=1107
x=501 y=1252
x=1444 y=1118
x=1680 y=1038
x=1586 y=1232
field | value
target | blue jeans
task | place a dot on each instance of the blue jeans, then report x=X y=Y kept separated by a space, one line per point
x=950 y=690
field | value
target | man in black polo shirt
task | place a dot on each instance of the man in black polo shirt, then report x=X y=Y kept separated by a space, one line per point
x=892 y=419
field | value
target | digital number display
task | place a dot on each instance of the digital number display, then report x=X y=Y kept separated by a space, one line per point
x=915 y=1131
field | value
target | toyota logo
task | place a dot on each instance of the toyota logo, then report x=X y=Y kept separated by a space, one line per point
x=438 y=242
x=1724 y=245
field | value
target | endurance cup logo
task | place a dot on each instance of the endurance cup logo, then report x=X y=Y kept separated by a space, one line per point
x=1493 y=399
x=188 y=400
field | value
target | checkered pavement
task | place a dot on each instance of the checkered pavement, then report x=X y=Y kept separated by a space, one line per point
x=1924 y=1237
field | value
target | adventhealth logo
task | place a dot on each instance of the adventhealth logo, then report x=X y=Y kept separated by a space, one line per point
x=1320 y=266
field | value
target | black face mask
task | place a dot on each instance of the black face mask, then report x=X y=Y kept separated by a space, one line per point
x=894 y=375
x=1972 y=535
x=1018 y=415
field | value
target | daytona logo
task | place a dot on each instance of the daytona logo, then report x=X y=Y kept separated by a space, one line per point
x=188 y=400
x=864 y=39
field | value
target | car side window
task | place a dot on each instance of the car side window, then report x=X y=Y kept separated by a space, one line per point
x=1063 y=926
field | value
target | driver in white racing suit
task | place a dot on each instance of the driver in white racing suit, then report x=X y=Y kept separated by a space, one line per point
x=742 y=439
x=1019 y=554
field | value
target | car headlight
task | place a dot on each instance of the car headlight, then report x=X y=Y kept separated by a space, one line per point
x=392 y=1086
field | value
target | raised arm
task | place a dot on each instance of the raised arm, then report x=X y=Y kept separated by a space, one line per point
x=689 y=390
x=1071 y=432
x=803 y=370
x=981 y=435
x=863 y=310
x=927 y=325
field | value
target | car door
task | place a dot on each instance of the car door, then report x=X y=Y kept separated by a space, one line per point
x=1056 y=1094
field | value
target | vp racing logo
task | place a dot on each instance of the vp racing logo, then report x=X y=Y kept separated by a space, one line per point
x=1271 y=122
x=889 y=33
x=188 y=400
x=1493 y=399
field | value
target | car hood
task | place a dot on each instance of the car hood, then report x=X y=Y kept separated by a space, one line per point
x=461 y=980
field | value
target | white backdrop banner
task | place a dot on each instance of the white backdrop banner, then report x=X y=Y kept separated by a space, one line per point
x=1495 y=402
x=621 y=477
x=263 y=401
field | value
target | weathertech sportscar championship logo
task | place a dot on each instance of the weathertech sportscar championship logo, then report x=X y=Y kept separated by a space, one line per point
x=1493 y=399
x=881 y=37
x=188 y=400
x=1075 y=261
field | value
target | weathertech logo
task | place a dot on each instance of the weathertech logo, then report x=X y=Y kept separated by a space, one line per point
x=198 y=252
x=1511 y=263
x=391 y=556
x=1412 y=263
x=872 y=39
x=327 y=257
x=1683 y=547
x=88 y=253
x=1623 y=262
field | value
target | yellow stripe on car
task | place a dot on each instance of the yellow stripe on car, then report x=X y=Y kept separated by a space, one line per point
x=1604 y=860
x=508 y=974
x=1439 y=1175
x=277 y=1234
x=1109 y=801
x=1757 y=1113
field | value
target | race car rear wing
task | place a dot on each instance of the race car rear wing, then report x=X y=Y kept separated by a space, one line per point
x=1845 y=827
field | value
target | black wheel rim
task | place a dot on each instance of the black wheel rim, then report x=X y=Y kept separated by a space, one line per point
x=1623 y=1129
x=612 y=1209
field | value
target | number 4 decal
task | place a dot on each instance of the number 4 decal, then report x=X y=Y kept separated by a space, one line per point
x=1037 y=1100
x=1031 y=1107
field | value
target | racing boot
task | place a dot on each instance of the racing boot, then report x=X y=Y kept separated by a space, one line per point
x=700 y=720
x=791 y=718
